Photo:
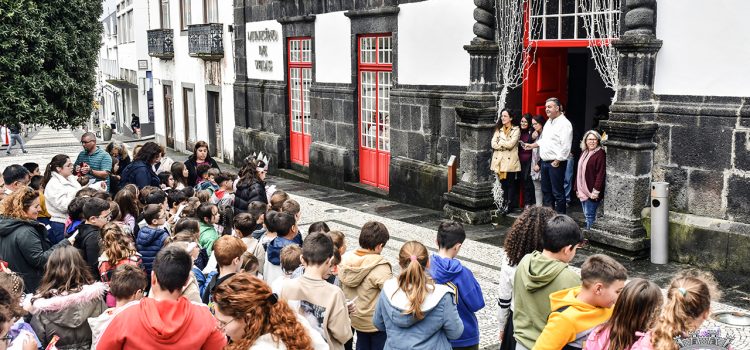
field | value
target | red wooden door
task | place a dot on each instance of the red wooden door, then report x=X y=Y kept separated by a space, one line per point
x=375 y=68
x=300 y=77
x=546 y=77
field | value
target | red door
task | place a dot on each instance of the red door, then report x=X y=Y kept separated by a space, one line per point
x=546 y=77
x=300 y=77
x=375 y=68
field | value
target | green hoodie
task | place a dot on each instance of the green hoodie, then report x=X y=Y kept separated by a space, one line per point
x=537 y=276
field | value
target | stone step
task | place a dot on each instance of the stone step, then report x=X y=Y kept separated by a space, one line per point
x=294 y=175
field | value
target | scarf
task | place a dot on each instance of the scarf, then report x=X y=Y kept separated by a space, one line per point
x=583 y=189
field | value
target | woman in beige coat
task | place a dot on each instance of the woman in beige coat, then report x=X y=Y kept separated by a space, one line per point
x=505 y=163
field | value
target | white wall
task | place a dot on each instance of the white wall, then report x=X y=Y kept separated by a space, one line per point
x=431 y=37
x=333 y=53
x=275 y=51
x=705 y=48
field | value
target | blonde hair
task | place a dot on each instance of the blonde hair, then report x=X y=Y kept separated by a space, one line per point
x=688 y=298
x=414 y=280
x=590 y=132
x=115 y=243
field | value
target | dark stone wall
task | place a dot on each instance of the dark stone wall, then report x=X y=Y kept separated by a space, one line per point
x=261 y=10
x=703 y=151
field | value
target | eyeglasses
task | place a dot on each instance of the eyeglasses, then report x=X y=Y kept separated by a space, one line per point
x=221 y=324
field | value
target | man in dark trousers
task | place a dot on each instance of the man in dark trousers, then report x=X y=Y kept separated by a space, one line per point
x=15 y=136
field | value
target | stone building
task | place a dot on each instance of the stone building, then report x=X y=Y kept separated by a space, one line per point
x=378 y=95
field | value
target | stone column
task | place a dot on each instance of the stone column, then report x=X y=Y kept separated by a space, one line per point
x=470 y=201
x=630 y=130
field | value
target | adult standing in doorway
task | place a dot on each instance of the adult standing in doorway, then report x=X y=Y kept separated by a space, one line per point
x=200 y=156
x=505 y=161
x=554 y=149
x=93 y=163
x=592 y=171
x=15 y=136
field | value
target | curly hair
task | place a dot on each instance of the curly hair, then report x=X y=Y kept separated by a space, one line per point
x=525 y=236
x=115 y=243
x=246 y=297
x=17 y=203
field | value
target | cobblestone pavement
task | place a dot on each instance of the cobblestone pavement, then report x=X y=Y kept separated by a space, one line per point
x=347 y=212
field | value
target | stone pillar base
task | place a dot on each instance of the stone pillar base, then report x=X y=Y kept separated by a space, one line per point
x=626 y=237
x=469 y=216
x=470 y=203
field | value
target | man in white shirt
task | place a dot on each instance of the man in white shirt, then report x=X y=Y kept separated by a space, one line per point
x=554 y=149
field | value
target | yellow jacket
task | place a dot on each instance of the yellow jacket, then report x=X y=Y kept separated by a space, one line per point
x=505 y=151
x=571 y=321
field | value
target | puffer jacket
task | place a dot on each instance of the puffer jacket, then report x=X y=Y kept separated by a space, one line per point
x=26 y=248
x=66 y=315
x=149 y=242
x=505 y=151
x=249 y=192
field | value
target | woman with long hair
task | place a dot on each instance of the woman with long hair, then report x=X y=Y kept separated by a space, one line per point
x=505 y=163
x=180 y=174
x=253 y=317
x=524 y=237
x=141 y=171
x=200 y=156
x=60 y=187
x=120 y=160
x=412 y=309
x=537 y=123
x=65 y=300
x=23 y=241
x=524 y=156
x=634 y=314
x=591 y=176
x=251 y=186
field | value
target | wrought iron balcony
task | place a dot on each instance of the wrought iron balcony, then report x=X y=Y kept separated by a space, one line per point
x=161 y=43
x=206 y=41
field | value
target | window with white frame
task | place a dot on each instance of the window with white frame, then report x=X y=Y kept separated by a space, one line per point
x=564 y=19
x=211 y=11
x=165 y=24
x=131 y=30
x=375 y=67
x=185 y=16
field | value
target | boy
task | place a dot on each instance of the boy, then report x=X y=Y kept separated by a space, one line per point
x=283 y=226
x=228 y=251
x=151 y=237
x=320 y=302
x=165 y=320
x=127 y=285
x=540 y=274
x=292 y=207
x=224 y=195
x=577 y=311
x=277 y=200
x=446 y=269
x=243 y=228
x=176 y=201
x=97 y=214
x=362 y=273
x=290 y=261
x=209 y=181
x=201 y=173
x=258 y=212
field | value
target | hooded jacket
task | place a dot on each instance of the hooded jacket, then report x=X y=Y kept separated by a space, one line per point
x=571 y=321
x=165 y=324
x=26 y=248
x=440 y=323
x=362 y=275
x=88 y=243
x=208 y=235
x=278 y=243
x=537 y=276
x=249 y=192
x=140 y=174
x=149 y=242
x=470 y=299
x=67 y=316
x=58 y=193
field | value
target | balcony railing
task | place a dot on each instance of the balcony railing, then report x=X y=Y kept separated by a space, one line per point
x=161 y=43
x=206 y=41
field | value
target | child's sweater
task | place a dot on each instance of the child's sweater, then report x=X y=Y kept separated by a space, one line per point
x=571 y=321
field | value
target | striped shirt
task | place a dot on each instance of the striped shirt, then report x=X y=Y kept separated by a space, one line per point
x=99 y=160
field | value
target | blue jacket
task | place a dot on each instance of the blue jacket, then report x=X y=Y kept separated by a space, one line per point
x=149 y=243
x=140 y=174
x=440 y=323
x=278 y=243
x=470 y=299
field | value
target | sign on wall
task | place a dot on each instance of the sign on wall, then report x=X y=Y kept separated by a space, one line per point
x=265 y=50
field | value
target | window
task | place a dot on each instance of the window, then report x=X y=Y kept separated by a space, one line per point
x=188 y=96
x=300 y=78
x=375 y=80
x=211 y=11
x=564 y=19
x=165 y=14
x=131 y=34
x=185 y=17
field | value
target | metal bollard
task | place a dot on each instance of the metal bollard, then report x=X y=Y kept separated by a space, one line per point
x=659 y=222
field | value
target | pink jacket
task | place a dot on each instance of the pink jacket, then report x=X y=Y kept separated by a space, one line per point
x=599 y=340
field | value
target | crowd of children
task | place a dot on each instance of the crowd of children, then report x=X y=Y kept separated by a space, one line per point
x=182 y=267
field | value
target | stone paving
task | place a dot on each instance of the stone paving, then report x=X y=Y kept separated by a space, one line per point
x=404 y=223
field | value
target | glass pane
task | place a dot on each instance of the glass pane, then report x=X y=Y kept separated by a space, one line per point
x=296 y=115
x=581 y=26
x=552 y=7
x=384 y=118
x=294 y=50
x=536 y=29
x=165 y=14
x=569 y=6
x=384 y=49
x=568 y=27
x=537 y=7
x=367 y=50
x=550 y=30
x=306 y=80
x=368 y=109
x=306 y=50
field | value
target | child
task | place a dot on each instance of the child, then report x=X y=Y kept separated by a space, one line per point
x=176 y=200
x=285 y=229
x=277 y=200
x=152 y=236
x=413 y=310
x=127 y=286
x=250 y=264
x=208 y=214
x=201 y=173
x=243 y=228
x=258 y=211
x=11 y=294
x=33 y=168
x=97 y=214
x=540 y=274
x=166 y=180
x=228 y=254
x=117 y=249
x=577 y=311
x=339 y=249
x=318 y=226
x=190 y=241
x=633 y=315
x=292 y=207
x=209 y=183
x=316 y=296
x=290 y=261
x=224 y=195
x=445 y=269
x=363 y=273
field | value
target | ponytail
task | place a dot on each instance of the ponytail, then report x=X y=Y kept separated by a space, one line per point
x=413 y=280
x=57 y=161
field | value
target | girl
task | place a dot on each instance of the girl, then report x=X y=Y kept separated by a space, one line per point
x=60 y=187
x=252 y=185
x=537 y=123
x=167 y=180
x=180 y=175
x=117 y=249
x=208 y=214
x=255 y=318
x=412 y=309
x=635 y=311
x=65 y=300
x=505 y=163
x=127 y=201
x=200 y=156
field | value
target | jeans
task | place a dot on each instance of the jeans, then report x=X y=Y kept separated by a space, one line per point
x=13 y=139
x=553 y=186
x=589 y=211
x=569 y=177
x=371 y=340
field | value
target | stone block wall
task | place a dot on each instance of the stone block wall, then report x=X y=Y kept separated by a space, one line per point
x=703 y=151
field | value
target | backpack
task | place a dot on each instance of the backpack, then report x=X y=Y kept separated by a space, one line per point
x=106 y=270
